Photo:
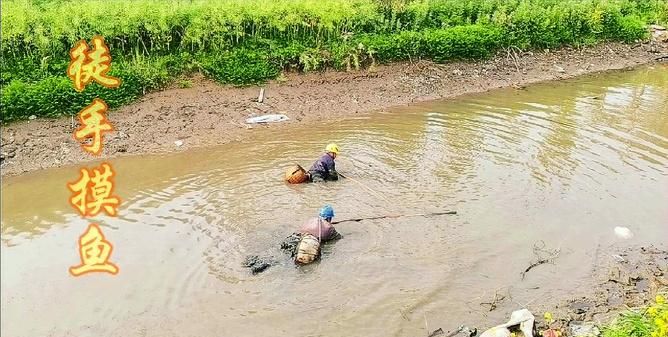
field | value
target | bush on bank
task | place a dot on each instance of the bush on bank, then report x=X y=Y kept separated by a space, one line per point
x=244 y=42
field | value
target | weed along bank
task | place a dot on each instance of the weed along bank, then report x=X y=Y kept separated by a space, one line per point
x=246 y=42
x=337 y=168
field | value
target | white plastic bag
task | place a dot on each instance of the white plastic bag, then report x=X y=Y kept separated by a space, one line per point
x=267 y=119
x=523 y=317
x=496 y=332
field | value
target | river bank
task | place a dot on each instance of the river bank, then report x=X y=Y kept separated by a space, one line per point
x=207 y=114
x=622 y=279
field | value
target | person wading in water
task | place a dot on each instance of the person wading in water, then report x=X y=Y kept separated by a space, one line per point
x=321 y=226
x=324 y=168
x=303 y=245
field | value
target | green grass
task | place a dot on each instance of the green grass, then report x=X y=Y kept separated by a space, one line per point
x=241 y=42
x=651 y=321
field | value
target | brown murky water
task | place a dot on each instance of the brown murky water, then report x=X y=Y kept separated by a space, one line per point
x=562 y=163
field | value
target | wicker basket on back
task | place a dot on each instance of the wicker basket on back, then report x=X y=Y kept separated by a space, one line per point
x=308 y=249
x=296 y=175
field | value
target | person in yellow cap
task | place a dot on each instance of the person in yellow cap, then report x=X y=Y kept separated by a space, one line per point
x=324 y=168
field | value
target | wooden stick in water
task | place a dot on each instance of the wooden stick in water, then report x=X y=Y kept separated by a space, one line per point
x=394 y=216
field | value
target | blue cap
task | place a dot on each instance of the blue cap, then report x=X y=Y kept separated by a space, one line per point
x=327 y=212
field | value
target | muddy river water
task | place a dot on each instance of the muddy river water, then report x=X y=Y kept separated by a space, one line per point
x=561 y=163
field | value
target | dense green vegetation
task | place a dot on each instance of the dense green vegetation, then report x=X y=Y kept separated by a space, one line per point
x=651 y=321
x=249 y=41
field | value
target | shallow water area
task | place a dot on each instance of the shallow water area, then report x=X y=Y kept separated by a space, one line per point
x=559 y=163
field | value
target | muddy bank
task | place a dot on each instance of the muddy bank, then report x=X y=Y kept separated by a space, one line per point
x=209 y=114
x=623 y=278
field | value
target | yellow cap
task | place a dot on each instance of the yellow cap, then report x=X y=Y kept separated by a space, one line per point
x=333 y=148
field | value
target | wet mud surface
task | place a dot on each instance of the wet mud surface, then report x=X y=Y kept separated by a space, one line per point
x=629 y=278
x=624 y=278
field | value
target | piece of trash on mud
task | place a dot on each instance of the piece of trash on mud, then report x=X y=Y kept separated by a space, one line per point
x=32 y=117
x=618 y=258
x=178 y=142
x=463 y=329
x=496 y=332
x=660 y=34
x=437 y=332
x=585 y=330
x=559 y=69
x=267 y=119
x=548 y=317
x=468 y=331
x=524 y=318
x=623 y=232
x=580 y=307
x=551 y=333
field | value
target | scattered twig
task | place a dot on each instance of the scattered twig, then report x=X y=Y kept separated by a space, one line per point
x=535 y=264
x=497 y=299
x=512 y=55
x=516 y=52
x=456 y=332
x=543 y=256
x=403 y=315
x=477 y=300
x=437 y=332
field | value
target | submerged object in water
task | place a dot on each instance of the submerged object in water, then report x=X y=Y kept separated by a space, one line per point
x=308 y=249
x=296 y=175
x=289 y=244
x=257 y=264
x=623 y=232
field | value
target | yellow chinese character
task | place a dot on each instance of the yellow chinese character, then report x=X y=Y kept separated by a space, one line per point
x=86 y=65
x=94 y=252
x=93 y=124
x=92 y=195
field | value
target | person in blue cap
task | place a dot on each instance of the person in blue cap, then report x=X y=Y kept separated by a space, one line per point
x=321 y=227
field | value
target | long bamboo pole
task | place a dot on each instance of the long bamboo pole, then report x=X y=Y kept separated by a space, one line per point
x=395 y=216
